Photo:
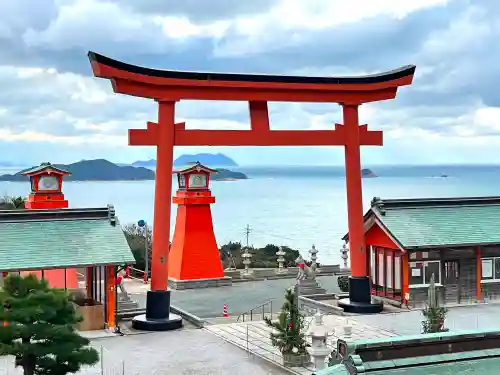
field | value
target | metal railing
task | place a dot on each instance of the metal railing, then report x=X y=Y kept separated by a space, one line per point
x=259 y=310
x=144 y=277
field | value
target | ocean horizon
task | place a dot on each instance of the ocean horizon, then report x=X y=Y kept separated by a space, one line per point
x=296 y=206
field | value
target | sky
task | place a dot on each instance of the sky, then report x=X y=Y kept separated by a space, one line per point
x=53 y=109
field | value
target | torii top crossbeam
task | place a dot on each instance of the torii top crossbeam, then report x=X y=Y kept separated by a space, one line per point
x=173 y=86
x=176 y=85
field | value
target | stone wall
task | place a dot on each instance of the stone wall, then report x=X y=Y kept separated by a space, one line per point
x=418 y=295
x=490 y=291
x=309 y=305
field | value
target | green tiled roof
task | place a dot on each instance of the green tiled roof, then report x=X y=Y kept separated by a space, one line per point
x=439 y=222
x=478 y=361
x=484 y=366
x=36 y=239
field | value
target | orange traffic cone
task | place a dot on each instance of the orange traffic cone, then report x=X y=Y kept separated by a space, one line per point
x=225 y=314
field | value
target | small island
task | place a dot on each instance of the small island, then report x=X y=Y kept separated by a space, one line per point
x=367 y=173
x=93 y=170
x=227 y=175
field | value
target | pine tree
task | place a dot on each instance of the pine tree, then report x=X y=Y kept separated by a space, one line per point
x=434 y=314
x=434 y=317
x=39 y=328
x=288 y=335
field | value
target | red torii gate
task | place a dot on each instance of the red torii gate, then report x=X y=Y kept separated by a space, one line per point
x=168 y=87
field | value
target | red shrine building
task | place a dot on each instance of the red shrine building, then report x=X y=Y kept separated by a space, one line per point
x=73 y=249
x=455 y=239
x=194 y=255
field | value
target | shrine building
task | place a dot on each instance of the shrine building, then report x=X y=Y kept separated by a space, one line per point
x=77 y=249
x=89 y=239
x=456 y=239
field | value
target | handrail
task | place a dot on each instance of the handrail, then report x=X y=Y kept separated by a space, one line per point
x=261 y=306
x=144 y=278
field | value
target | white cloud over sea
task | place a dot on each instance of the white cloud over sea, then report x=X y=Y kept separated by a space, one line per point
x=52 y=108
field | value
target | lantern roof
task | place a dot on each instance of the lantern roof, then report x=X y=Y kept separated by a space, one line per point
x=46 y=168
x=193 y=167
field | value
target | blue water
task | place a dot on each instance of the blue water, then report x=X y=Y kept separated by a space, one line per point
x=293 y=206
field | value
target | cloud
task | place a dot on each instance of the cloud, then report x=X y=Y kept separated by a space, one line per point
x=48 y=95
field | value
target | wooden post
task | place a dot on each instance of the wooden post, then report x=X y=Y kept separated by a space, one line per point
x=405 y=281
x=111 y=296
x=478 y=273
x=89 y=280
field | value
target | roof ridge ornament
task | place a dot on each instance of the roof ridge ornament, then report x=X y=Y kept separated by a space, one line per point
x=111 y=215
x=378 y=204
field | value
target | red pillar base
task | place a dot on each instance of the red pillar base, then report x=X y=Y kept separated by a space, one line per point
x=194 y=254
x=360 y=301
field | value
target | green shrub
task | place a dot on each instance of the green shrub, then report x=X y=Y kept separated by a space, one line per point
x=343 y=283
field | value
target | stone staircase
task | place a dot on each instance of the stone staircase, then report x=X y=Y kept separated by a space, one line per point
x=254 y=337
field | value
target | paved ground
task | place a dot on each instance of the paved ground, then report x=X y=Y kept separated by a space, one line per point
x=240 y=297
x=484 y=316
x=193 y=352
x=255 y=336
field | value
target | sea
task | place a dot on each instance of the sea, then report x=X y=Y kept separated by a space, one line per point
x=296 y=206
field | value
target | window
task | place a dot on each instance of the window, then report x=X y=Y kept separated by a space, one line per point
x=397 y=273
x=372 y=265
x=421 y=272
x=381 y=268
x=490 y=268
x=388 y=270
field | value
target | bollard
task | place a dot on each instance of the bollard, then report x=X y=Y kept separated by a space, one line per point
x=225 y=314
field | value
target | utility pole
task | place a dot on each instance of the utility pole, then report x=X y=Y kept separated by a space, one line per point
x=248 y=230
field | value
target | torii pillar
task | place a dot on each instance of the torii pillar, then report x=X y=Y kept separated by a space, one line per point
x=158 y=316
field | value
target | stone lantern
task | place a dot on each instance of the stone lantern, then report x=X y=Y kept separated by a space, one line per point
x=314 y=257
x=281 y=261
x=318 y=350
x=344 y=254
x=246 y=262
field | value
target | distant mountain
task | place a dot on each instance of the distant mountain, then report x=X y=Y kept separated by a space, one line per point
x=151 y=163
x=210 y=160
x=94 y=170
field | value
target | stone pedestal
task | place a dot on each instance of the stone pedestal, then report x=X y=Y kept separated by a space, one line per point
x=306 y=287
x=360 y=300
x=158 y=316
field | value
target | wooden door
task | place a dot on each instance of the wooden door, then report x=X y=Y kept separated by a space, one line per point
x=452 y=281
